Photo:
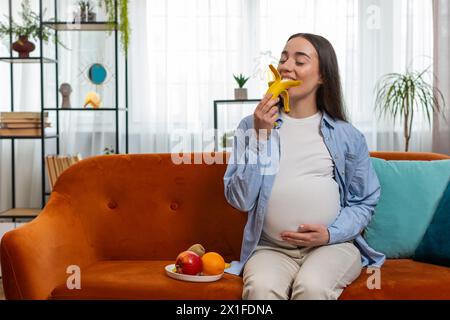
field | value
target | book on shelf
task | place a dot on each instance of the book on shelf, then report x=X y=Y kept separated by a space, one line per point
x=21 y=115
x=57 y=164
x=34 y=132
x=23 y=125
x=22 y=120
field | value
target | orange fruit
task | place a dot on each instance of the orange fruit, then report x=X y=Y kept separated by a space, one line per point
x=213 y=264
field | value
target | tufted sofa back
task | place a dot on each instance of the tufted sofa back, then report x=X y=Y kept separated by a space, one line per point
x=144 y=206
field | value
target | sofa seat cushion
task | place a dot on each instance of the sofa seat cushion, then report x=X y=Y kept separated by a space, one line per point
x=145 y=280
x=403 y=279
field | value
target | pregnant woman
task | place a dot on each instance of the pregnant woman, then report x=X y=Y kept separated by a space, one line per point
x=303 y=236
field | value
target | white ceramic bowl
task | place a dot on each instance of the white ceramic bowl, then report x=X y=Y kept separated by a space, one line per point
x=186 y=277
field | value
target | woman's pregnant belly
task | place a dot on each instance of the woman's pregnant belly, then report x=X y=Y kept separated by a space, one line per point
x=309 y=200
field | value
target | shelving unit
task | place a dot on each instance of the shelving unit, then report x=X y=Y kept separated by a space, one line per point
x=82 y=109
x=61 y=26
x=252 y=102
x=27 y=60
x=14 y=214
x=48 y=136
x=82 y=26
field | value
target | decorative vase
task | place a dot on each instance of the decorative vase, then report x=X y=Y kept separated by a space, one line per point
x=85 y=16
x=92 y=16
x=23 y=47
x=82 y=16
x=240 y=93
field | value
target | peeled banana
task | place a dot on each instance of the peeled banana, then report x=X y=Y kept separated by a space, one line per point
x=280 y=86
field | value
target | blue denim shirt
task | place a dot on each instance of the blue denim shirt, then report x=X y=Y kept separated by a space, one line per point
x=251 y=172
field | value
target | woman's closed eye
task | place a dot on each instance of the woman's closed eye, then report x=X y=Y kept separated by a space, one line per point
x=298 y=63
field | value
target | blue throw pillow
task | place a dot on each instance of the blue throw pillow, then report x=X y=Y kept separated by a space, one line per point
x=435 y=245
x=410 y=193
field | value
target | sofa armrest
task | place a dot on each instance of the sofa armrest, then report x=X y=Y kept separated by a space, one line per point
x=35 y=256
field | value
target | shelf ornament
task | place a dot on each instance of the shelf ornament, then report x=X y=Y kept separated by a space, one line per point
x=93 y=99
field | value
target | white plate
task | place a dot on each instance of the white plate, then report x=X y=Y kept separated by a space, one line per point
x=186 y=277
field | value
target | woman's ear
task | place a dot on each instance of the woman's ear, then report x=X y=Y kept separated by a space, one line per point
x=320 y=80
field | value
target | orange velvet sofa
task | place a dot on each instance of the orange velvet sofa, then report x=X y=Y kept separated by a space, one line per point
x=122 y=218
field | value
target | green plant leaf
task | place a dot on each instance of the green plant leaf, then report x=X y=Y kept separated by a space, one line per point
x=30 y=27
x=400 y=94
x=241 y=80
x=123 y=24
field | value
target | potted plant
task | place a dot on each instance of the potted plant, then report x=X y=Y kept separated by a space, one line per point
x=399 y=94
x=241 y=92
x=30 y=28
x=108 y=150
x=227 y=140
x=122 y=21
x=86 y=12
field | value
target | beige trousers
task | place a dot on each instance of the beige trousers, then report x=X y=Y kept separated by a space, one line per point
x=275 y=273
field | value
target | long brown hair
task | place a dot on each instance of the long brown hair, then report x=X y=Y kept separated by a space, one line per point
x=329 y=94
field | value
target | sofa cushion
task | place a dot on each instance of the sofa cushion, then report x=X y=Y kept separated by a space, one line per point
x=434 y=247
x=410 y=192
x=403 y=279
x=145 y=280
x=400 y=279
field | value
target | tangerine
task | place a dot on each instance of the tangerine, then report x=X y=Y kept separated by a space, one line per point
x=213 y=264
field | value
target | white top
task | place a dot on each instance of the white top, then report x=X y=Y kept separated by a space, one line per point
x=304 y=190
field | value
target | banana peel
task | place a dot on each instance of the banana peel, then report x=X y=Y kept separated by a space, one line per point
x=280 y=86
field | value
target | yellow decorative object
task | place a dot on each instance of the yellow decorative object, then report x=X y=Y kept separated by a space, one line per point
x=280 y=86
x=93 y=99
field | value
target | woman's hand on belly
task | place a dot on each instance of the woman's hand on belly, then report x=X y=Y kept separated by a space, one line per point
x=308 y=235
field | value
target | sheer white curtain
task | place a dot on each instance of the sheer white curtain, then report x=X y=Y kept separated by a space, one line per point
x=404 y=41
x=184 y=58
x=441 y=130
x=183 y=55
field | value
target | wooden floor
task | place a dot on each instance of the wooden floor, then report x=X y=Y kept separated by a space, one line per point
x=2 y=295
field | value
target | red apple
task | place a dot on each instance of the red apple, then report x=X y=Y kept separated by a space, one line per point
x=188 y=262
